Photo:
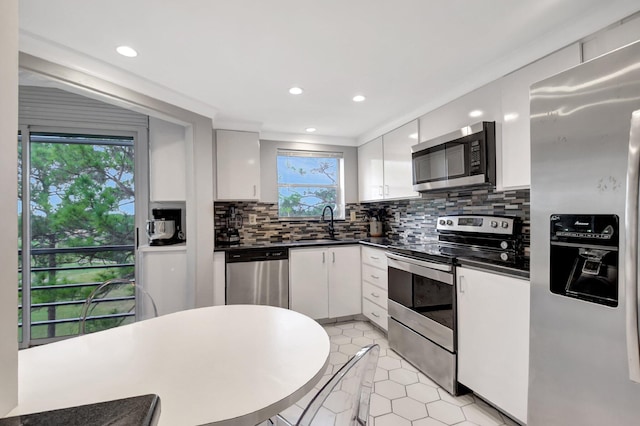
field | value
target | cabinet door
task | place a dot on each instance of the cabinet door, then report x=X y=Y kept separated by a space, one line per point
x=237 y=165
x=308 y=288
x=398 y=175
x=370 y=171
x=493 y=338
x=164 y=276
x=167 y=161
x=516 y=137
x=345 y=293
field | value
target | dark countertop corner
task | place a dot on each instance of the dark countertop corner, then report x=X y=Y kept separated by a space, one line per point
x=141 y=410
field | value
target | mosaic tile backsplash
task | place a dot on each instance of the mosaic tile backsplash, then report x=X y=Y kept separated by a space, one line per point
x=410 y=220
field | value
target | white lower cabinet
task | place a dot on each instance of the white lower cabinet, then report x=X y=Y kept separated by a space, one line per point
x=163 y=274
x=324 y=282
x=493 y=338
x=374 y=286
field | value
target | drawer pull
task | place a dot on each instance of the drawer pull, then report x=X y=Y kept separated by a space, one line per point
x=375 y=257
x=375 y=277
x=375 y=315
x=375 y=294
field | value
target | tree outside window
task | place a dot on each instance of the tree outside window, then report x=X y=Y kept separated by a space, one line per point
x=307 y=182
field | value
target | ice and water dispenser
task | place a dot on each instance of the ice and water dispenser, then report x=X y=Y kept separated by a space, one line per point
x=584 y=257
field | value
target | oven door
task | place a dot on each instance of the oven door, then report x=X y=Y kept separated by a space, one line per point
x=421 y=296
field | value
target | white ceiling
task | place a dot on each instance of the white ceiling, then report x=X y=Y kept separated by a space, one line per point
x=234 y=60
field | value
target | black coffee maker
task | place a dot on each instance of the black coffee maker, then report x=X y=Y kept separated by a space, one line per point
x=165 y=228
x=229 y=232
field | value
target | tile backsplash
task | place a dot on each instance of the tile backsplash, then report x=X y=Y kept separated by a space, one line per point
x=410 y=220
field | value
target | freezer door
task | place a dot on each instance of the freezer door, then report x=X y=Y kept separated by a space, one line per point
x=580 y=127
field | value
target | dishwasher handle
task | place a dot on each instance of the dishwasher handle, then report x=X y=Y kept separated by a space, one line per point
x=256 y=254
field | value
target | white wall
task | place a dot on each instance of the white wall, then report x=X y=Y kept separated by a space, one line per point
x=8 y=207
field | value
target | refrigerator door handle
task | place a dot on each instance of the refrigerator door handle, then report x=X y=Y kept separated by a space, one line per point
x=631 y=252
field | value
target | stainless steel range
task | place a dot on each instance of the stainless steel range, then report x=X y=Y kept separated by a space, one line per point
x=422 y=294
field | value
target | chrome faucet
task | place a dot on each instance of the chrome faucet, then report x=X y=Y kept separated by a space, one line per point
x=330 y=228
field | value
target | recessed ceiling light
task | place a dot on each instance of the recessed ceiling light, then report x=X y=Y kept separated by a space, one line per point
x=475 y=113
x=127 y=51
x=310 y=129
x=358 y=98
x=296 y=90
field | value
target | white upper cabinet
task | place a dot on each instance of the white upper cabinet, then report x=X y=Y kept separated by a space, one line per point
x=384 y=165
x=516 y=137
x=398 y=176
x=628 y=31
x=482 y=104
x=237 y=165
x=370 y=171
x=167 y=161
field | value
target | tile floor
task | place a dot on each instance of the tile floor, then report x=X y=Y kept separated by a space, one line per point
x=402 y=395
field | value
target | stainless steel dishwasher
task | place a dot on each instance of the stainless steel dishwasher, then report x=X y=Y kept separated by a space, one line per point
x=258 y=276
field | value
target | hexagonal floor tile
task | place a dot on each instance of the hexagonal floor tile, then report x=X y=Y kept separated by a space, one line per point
x=429 y=421
x=409 y=408
x=388 y=363
x=337 y=358
x=353 y=332
x=381 y=374
x=423 y=393
x=389 y=389
x=402 y=376
x=460 y=400
x=361 y=341
x=379 y=405
x=482 y=414
x=391 y=420
x=445 y=412
x=349 y=349
x=346 y=325
x=341 y=339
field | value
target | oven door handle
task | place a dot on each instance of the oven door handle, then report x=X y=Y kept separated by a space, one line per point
x=423 y=263
x=418 y=268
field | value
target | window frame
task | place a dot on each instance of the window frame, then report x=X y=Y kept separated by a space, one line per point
x=338 y=206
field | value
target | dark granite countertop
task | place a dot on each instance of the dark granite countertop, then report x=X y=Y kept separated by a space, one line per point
x=141 y=410
x=382 y=243
x=289 y=244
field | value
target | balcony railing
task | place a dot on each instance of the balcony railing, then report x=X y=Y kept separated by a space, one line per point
x=55 y=308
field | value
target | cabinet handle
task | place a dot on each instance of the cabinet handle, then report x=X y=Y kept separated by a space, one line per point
x=375 y=257
x=462 y=287
x=375 y=277
x=375 y=315
x=375 y=294
x=255 y=190
x=322 y=257
x=333 y=254
x=380 y=190
x=386 y=188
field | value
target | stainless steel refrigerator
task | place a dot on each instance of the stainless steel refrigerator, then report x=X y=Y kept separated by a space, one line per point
x=585 y=151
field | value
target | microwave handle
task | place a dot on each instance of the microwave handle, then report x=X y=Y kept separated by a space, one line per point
x=631 y=252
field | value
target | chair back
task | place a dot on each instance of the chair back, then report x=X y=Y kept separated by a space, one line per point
x=344 y=399
x=113 y=303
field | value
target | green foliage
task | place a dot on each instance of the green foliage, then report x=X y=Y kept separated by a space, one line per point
x=79 y=195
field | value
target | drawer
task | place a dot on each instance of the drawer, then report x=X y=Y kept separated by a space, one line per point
x=375 y=276
x=374 y=257
x=375 y=294
x=375 y=313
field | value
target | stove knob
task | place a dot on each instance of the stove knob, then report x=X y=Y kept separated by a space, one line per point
x=504 y=256
x=505 y=224
x=504 y=245
x=449 y=222
x=494 y=224
x=442 y=222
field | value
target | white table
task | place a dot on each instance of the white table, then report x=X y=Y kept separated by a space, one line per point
x=235 y=365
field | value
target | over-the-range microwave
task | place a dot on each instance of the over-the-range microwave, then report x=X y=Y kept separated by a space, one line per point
x=464 y=158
